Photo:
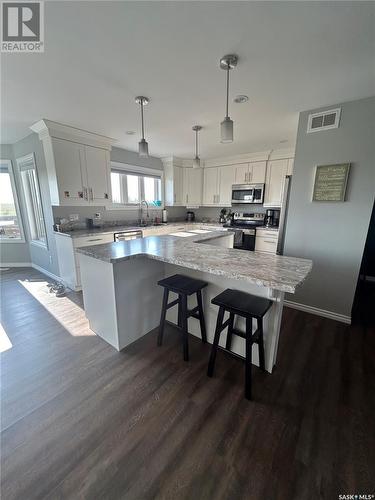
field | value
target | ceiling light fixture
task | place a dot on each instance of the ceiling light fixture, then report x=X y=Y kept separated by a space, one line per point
x=240 y=99
x=227 y=63
x=142 y=145
x=196 y=160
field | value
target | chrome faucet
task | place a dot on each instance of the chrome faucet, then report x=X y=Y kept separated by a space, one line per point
x=143 y=202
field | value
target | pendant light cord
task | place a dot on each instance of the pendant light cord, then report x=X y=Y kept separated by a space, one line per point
x=196 y=144
x=227 y=92
x=143 y=127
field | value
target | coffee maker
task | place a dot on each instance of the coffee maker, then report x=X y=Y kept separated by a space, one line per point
x=272 y=218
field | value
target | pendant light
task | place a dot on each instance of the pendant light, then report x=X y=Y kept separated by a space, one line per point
x=227 y=63
x=142 y=145
x=196 y=160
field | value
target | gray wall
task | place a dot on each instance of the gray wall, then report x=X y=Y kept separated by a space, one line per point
x=45 y=258
x=333 y=234
x=14 y=253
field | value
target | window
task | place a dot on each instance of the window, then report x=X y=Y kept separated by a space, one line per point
x=10 y=220
x=131 y=187
x=33 y=202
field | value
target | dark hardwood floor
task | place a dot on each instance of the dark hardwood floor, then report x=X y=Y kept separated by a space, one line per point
x=80 y=420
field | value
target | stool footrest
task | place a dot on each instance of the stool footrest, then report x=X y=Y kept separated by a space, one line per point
x=171 y=304
x=193 y=312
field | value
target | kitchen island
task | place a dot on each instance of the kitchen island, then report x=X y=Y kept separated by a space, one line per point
x=123 y=301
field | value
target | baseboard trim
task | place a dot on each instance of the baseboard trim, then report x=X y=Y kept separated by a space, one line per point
x=47 y=273
x=15 y=264
x=318 y=312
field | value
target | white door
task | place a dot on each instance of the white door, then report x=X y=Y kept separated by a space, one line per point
x=210 y=186
x=242 y=174
x=226 y=180
x=178 y=178
x=193 y=185
x=70 y=171
x=98 y=174
x=257 y=172
x=275 y=178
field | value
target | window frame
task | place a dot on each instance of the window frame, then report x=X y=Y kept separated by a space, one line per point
x=36 y=242
x=136 y=170
x=13 y=184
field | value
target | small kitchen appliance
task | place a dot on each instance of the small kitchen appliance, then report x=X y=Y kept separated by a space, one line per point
x=247 y=193
x=190 y=216
x=164 y=215
x=272 y=218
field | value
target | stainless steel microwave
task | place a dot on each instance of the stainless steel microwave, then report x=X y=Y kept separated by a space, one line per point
x=247 y=193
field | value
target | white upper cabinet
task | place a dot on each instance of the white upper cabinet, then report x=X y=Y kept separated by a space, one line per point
x=226 y=180
x=193 y=186
x=98 y=171
x=69 y=160
x=241 y=173
x=211 y=186
x=217 y=186
x=275 y=178
x=174 y=183
x=257 y=172
x=77 y=162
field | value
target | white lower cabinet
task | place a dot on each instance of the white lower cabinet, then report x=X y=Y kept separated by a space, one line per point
x=266 y=240
x=68 y=258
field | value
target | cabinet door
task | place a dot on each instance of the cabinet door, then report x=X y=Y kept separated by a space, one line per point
x=226 y=180
x=178 y=185
x=98 y=174
x=242 y=174
x=275 y=178
x=257 y=172
x=70 y=171
x=210 y=186
x=193 y=186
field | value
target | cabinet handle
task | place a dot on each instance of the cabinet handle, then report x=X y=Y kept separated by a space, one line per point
x=269 y=241
x=85 y=193
x=187 y=198
x=245 y=176
x=96 y=239
x=91 y=195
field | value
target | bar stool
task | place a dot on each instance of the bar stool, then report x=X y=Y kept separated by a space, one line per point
x=249 y=307
x=183 y=286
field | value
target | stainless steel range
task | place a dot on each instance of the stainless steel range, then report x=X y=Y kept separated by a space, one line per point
x=246 y=224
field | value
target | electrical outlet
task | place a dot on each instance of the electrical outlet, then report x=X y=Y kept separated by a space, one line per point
x=73 y=217
x=98 y=215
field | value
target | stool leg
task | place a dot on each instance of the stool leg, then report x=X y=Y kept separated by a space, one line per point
x=185 y=338
x=248 y=362
x=201 y=316
x=219 y=322
x=261 y=344
x=228 y=344
x=163 y=314
x=179 y=314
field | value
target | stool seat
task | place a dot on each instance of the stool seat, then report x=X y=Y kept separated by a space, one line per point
x=183 y=286
x=242 y=303
x=178 y=283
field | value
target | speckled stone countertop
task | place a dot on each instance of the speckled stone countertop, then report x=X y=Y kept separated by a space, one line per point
x=77 y=233
x=195 y=252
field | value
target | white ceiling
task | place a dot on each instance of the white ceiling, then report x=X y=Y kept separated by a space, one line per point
x=100 y=55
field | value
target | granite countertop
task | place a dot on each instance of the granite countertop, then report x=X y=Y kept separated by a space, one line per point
x=195 y=252
x=78 y=233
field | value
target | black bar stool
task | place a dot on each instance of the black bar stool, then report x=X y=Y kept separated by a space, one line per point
x=183 y=286
x=249 y=307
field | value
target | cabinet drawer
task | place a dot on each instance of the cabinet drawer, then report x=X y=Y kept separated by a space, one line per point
x=95 y=239
x=264 y=244
x=267 y=233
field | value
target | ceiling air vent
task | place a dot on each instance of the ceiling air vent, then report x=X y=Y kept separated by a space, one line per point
x=323 y=120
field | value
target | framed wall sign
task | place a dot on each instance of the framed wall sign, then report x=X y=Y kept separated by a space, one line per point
x=330 y=182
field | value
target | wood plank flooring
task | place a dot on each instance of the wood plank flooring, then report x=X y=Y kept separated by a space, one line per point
x=82 y=421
